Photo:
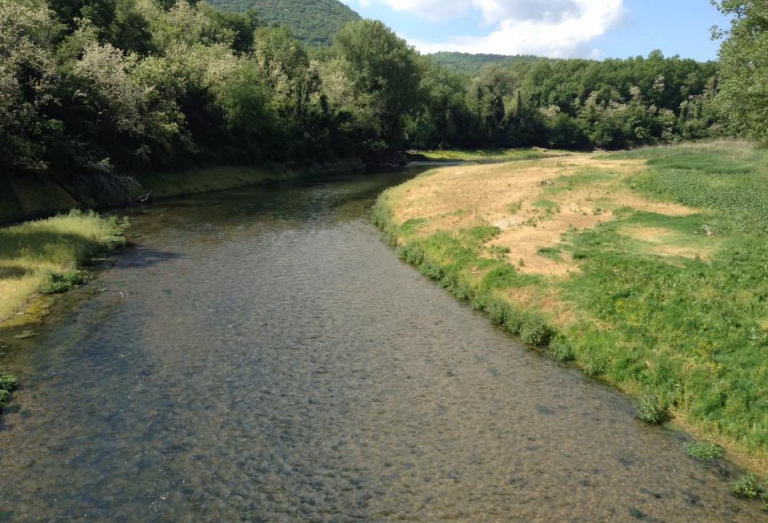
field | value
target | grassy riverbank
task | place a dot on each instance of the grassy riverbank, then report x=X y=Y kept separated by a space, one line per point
x=25 y=197
x=490 y=155
x=647 y=268
x=45 y=256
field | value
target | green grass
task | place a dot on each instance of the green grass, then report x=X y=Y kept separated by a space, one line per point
x=692 y=333
x=687 y=335
x=46 y=255
x=490 y=155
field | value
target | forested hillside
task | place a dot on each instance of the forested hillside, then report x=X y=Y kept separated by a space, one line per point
x=315 y=22
x=472 y=64
x=92 y=90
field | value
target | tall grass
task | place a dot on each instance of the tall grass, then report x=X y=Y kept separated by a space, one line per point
x=45 y=255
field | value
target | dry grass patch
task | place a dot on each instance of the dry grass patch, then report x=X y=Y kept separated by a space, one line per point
x=533 y=203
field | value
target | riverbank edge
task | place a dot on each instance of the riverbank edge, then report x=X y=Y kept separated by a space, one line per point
x=27 y=199
x=31 y=197
x=533 y=328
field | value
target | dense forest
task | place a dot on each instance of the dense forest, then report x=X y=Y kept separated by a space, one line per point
x=91 y=88
x=315 y=22
x=472 y=64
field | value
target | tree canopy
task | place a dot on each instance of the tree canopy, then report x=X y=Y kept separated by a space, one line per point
x=315 y=22
x=744 y=64
x=96 y=87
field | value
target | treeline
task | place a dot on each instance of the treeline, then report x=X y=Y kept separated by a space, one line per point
x=88 y=87
x=573 y=104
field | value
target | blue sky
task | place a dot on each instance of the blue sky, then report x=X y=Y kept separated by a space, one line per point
x=557 y=28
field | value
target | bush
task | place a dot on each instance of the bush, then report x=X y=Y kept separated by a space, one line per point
x=4 y=397
x=8 y=382
x=561 y=350
x=746 y=487
x=651 y=410
x=412 y=253
x=704 y=451
x=535 y=332
x=63 y=282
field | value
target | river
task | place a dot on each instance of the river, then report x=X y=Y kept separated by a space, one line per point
x=261 y=356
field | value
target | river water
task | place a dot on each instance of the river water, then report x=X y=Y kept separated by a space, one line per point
x=261 y=356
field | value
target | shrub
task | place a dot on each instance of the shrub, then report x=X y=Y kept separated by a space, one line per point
x=63 y=282
x=8 y=382
x=412 y=253
x=704 y=451
x=535 y=332
x=746 y=487
x=652 y=410
x=4 y=397
x=561 y=350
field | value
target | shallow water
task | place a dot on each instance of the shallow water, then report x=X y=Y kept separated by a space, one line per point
x=270 y=360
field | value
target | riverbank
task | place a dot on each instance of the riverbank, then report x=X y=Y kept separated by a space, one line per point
x=45 y=257
x=645 y=268
x=30 y=197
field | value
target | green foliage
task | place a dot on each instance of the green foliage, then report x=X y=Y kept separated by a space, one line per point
x=5 y=396
x=561 y=349
x=63 y=282
x=747 y=487
x=652 y=410
x=385 y=77
x=315 y=22
x=8 y=382
x=704 y=451
x=535 y=331
x=744 y=70
x=92 y=89
x=472 y=64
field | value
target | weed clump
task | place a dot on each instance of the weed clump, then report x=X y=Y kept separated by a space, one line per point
x=7 y=384
x=561 y=350
x=652 y=410
x=63 y=282
x=704 y=451
x=747 y=487
x=536 y=332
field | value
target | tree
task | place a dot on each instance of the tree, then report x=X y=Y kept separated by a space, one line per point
x=28 y=82
x=744 y=66
x=384 y=72
x=487 y=98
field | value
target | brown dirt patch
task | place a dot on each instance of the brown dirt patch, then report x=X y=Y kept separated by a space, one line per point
x=505 y=195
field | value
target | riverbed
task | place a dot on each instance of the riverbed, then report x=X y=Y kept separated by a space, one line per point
x=260 y=355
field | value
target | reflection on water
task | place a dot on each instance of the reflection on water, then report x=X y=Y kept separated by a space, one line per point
x=269 y=360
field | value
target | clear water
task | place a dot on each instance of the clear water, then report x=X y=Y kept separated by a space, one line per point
x=270 y=360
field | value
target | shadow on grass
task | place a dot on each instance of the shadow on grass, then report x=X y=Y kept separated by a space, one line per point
x=44 y=245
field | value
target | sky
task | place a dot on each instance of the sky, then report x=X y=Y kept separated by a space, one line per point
x=554 y=28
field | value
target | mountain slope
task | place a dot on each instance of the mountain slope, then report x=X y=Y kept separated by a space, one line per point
x=473 y=63
x=315 y=22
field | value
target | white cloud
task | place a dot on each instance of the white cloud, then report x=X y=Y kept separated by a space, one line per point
x=432 y=9
x=557 y=28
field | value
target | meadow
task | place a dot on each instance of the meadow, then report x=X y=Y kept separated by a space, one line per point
x=648 y=269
